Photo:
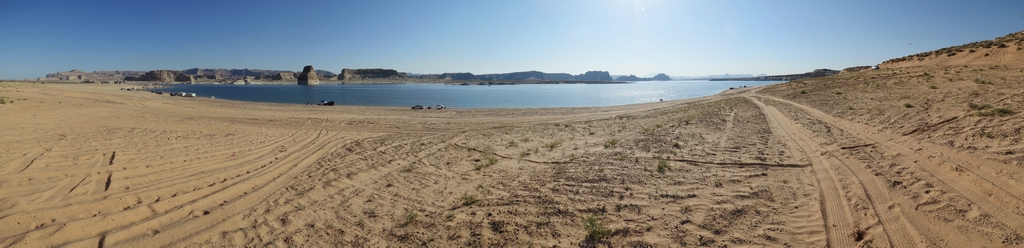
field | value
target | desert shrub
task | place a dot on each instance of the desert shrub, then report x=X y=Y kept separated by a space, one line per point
x=803 y=92
x=981 y=81
x=933 y=87
x=410 y=218
x=490 y=161
x=662 y=166
x=552 y=145
x=908 y=105
x=468 y=199
x=596 y=230
x=610 y=143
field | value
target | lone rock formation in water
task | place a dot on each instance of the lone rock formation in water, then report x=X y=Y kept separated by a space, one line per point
x=308 y=76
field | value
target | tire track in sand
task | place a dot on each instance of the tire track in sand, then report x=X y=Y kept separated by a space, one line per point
x=834 y=206
x=998 y=196
x=899 y=232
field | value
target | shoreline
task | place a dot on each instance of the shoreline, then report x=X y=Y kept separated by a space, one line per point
x=314 y=104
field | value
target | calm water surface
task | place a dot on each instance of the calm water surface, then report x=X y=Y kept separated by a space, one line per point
x=467 y=96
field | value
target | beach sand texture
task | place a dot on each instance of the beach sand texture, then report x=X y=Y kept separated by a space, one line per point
x=904 y=156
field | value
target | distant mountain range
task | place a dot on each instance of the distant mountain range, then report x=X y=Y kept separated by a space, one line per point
x=789 y=77
x=231 y=75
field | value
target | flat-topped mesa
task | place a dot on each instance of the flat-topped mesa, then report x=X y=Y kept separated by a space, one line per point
x=308 y=76
x=458 y=76
x=364 y=74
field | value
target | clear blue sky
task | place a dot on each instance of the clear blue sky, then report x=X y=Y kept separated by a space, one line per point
x=620 y=36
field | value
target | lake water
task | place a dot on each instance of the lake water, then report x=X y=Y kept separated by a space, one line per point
x=467 y=96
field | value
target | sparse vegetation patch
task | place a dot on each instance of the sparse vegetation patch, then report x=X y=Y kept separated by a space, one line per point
x=596 y=229
x=610 y=143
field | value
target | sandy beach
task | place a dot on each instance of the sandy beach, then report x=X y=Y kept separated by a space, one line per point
x=886 y=158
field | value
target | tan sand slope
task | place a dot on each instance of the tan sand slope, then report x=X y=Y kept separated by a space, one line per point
x=937 y=146
x=905 y=157
x=1007 y=50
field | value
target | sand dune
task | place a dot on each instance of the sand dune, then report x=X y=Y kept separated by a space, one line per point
x=90 y=165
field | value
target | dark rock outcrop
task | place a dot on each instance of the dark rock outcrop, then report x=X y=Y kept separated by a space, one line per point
x=308 y=76
x=364 y=74
x=630 y=78
x=594 y=76
x=661 y=77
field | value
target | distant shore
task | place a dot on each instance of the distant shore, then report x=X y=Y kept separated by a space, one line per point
x=371 y=81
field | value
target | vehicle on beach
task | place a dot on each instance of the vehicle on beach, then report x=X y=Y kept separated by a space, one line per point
x=417 y=107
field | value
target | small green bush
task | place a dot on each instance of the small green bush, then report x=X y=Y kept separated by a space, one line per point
x=596 y=230
x=410 y=218
x=552 y=145
x=490 y=161
x=662 y=166
x=468 y=199
x=610 y=143
x=908 y=105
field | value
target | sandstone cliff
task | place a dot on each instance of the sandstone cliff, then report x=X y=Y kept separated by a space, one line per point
x=232 y=73
x=166 y=76
x=78 y=75
x=308 y=76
